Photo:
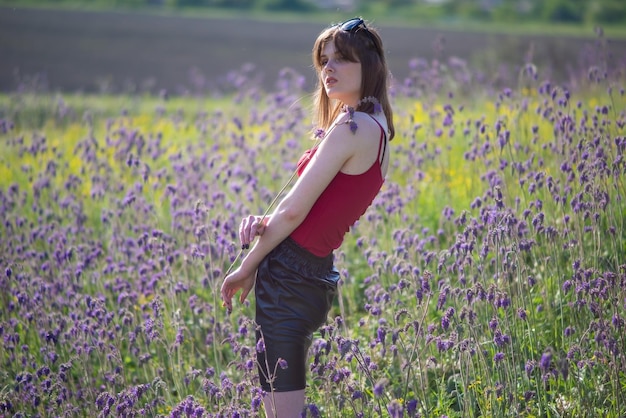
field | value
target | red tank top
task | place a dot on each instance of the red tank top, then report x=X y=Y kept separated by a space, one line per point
x=341 y=204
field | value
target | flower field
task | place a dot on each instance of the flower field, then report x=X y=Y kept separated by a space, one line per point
x=487 y=279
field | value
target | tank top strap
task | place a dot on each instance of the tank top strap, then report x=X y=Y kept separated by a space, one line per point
x=383 y=142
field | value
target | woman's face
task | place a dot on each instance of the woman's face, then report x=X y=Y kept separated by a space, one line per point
x=341 y=78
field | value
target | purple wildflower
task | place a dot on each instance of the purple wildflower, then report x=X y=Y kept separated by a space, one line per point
x=260 y=346
x=445 y=322
x=493 y=324
x=395 y=409
x=411 y=407
x=529 y=367
x=545 y=362
x=379 y=388
x=314 y=410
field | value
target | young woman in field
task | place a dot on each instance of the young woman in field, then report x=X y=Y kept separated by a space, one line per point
x=292 y=261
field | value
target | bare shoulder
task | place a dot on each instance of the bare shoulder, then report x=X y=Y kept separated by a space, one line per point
x=359 y=126
x=369 y=123
x=354 y=141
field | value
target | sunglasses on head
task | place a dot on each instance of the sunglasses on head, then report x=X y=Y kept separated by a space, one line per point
x=353 y=25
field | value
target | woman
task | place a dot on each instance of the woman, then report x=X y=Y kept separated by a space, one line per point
x=292 y=261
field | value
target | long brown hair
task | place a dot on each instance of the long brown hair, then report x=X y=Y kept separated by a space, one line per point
x=362 y=45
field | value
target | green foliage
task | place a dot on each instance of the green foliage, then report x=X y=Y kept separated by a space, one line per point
x=467 y=9
x=285 y=5
x=229 y=4
x=573 y=12
x=608 y=11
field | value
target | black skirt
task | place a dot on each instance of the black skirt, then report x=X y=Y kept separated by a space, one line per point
x=294 y=291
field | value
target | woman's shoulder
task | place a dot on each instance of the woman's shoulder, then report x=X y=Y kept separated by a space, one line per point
x=360 y=123
x=372 y=123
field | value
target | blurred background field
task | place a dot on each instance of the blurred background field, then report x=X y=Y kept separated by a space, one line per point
x=183 y=46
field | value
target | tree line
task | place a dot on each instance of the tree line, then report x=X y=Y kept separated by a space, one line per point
x=549 y=11
x=567 y=11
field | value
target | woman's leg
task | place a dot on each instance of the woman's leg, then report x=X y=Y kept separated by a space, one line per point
x=284 y=404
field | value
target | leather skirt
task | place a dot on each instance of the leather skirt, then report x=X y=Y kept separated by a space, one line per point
x=294 y=292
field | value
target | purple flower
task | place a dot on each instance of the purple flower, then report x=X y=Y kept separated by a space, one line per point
x=314 y=410
x=567 y=285
x=493 y=323
x=411 y=407
x=282 y=363
x=618 y=321
x=501 y=339
x=104 y=400
x=256 y=402
x=444 y=345
x=180 y=338
x=381 y=333
x=530 y=366
x=441 y=301
x=379 y=388
x=353 y=126
x=445 y=322
x=395 y=409
x=545 y=362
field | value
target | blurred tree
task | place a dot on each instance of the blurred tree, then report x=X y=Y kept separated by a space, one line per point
x=397 y=3
x=608 y=11
x=290 y=5
x=567 y=11
x=473 y=9
x=570 y=11
x=191 y=3
x=128 y=3
x=233 y=4
x=513 y=10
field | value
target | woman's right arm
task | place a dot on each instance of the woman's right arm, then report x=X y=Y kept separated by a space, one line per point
x=334 y=151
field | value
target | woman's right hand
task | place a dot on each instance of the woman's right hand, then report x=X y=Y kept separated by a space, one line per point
x=235 y=281
x=251 y=227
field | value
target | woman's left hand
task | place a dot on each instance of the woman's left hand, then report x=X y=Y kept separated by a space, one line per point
x=238 y=279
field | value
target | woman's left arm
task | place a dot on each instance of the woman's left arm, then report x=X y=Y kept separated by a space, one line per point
x=337 y=148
